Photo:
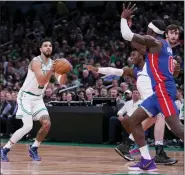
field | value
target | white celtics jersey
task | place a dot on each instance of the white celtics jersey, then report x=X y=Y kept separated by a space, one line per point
x=143 y=72
x=144 y=85
x=31 y=84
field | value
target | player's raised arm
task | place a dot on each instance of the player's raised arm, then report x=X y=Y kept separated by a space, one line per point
x=41 y=78
x=112 y=71
x=128 y=35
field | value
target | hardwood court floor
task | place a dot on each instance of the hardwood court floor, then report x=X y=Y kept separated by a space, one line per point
x=78 y=160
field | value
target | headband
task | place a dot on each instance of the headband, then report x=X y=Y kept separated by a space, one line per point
x=155 y=29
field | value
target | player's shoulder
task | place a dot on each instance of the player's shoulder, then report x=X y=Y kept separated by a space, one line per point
x=36 y=58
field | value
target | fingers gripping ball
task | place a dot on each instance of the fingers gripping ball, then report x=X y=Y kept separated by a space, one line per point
x=62 y=66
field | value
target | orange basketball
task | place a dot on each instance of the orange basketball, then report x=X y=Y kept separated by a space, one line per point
x=62 y=66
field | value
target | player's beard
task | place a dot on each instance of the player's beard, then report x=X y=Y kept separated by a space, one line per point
x=47 y=55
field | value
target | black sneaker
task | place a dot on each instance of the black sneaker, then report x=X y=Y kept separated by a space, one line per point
x=162 y=158
x=123 y=150
x=181 y=144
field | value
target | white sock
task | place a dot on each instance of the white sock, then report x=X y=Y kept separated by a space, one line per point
x=36 y=144
x=145 y=153
x=9 y=145
x=131 y=137
x=158 y=142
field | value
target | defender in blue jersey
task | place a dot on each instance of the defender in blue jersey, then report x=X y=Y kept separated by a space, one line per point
x=160 y=69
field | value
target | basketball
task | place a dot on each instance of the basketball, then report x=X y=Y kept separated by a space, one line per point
x=62 y=66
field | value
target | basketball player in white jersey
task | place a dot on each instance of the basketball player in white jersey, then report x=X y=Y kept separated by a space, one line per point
x=30 y=100
x=145 y=89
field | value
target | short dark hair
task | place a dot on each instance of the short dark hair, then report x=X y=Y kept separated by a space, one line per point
x=172 y=27
x=159 y=24
x=45 y=40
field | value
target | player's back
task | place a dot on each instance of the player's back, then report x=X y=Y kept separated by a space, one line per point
x=160 y=68
x=31 y=84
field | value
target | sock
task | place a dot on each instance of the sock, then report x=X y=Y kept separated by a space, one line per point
x=158 y=142
x=36 y=144
x=145 y=153
x=131 y=137
x=9 y=145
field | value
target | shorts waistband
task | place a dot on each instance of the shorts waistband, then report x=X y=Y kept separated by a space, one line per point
x=30 y=93
x=142 y=75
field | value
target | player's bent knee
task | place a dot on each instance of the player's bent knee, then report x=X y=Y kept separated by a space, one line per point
x=27 y=127
x=46 y=125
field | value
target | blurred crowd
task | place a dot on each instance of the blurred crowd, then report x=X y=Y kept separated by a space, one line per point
x=83 y=36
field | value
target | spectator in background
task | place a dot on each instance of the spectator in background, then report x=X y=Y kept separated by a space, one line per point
x=81 y=96
x=89 y=94
x=96 y=93
x=114 y=94
x=115 y=84
x=124 y=87
x=99 y=84
x=115 y=122
x=53 y=97
x=180 y=102
x=128 y=95
x=7 y=111
x=103 y=92
x=47 y=97
x=64 y=98
x=87 y=79
x=69 y=97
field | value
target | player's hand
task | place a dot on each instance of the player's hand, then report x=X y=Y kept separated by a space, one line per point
x=129 y=21
x=177 y=67
x=91 y=68
x=53 y=65
x=128 y=12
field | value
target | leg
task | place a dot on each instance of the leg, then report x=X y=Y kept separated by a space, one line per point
x=40 y=113
x=148 y=108
x=136 y=126
x=125 y=124
x=161 y=157
x=123 y=148
x=27 y=126
x=46 y=124
x=176 y=126
x=114 y=123
x=159 y=130
x=167 y=106
x=147 y=123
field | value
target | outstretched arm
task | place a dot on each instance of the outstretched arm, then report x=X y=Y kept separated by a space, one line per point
x=128 y=35
x=112 y=71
